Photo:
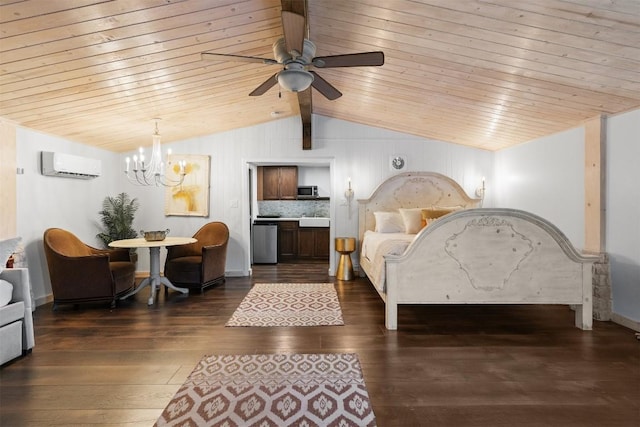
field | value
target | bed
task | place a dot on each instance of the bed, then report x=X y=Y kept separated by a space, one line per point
x=466 y=255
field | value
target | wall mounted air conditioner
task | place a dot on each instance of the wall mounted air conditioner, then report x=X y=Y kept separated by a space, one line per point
x=68 y=165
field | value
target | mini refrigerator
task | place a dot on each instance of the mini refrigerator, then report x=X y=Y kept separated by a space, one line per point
x=265 y=243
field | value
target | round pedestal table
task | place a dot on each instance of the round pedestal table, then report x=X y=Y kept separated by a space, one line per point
x=154 y=280
x=345 y=246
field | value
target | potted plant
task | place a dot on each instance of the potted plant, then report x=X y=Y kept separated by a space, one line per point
x=117 y=219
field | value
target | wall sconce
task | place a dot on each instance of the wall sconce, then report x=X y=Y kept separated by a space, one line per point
x=348 y=195
x=480 y=191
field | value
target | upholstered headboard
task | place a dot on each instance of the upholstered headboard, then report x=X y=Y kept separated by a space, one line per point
x=412 y=190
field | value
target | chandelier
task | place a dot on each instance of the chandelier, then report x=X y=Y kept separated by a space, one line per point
x=153 y=171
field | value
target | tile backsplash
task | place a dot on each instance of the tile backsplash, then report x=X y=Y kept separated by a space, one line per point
x=294 y=208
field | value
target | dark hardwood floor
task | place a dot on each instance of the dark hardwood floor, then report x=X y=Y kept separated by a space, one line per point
x=445 y=366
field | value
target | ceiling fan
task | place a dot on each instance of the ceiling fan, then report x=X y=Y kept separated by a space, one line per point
x=296 y=55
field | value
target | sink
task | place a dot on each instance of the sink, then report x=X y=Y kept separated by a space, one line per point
x=313 y=222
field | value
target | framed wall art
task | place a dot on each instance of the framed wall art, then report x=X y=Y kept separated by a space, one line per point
x=191 y=197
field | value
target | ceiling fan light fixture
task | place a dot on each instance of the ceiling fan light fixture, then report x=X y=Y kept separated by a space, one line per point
x=295 y=80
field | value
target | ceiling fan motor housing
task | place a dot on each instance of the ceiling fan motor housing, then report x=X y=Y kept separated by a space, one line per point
x=283 y=57
x=295 y=77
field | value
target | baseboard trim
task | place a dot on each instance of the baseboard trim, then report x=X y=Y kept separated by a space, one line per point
x=626 y=322
x=235 y=273
x=44 y=300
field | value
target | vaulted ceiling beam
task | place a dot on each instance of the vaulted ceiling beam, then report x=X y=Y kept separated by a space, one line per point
x=304 y=97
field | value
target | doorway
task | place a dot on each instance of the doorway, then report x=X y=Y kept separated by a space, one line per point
x=251 y=207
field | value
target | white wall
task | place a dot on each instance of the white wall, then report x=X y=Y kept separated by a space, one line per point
x=359 y=152
x=46 y=201
x=355 y=151
x=546 y=177
x=623 y=212
x=316 y=175
x=363 y=153
x=274 y=140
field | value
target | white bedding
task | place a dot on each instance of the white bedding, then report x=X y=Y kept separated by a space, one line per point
x=376 y=245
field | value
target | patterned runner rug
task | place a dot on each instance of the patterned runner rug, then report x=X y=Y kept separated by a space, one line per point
x=289 y=304
x=269 y=390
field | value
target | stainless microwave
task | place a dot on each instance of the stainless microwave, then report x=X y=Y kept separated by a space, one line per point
x=307 y=191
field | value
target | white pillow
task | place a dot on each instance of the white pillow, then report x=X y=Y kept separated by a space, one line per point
x=389 y=222
x=412 y=219
x=7 y=247
x=6 y=290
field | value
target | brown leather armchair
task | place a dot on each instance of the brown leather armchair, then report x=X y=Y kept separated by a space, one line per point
x=81 y=273
x=200 y=264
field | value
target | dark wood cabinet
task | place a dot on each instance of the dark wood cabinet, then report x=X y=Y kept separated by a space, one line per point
x=322 y=243
x=302 y=243
x=287 y=241
x=306 y=242
x=279 y=182
x=270 y=183
x=288 y=182
x=313 y=243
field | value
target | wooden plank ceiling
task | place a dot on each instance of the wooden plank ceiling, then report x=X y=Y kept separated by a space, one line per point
x=487 y=74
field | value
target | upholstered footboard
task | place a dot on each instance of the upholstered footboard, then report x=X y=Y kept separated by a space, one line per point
x=490 y=256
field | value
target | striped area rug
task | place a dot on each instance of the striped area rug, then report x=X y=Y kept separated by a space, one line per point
x=272 y=390
x=289 y=304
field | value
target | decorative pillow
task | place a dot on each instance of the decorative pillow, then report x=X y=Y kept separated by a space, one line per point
x=434 y=213
x=6 y=290
x=429 y=221
x=7 y=247
x=389 y=222
x=412 y=219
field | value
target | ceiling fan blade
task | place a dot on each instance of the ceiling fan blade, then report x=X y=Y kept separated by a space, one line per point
x=324 y=87
x=268 y=84
x=293 y=27
x=363 y=59
x=237 y=58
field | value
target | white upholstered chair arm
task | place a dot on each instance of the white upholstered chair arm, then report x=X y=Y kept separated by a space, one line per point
x=19 y=278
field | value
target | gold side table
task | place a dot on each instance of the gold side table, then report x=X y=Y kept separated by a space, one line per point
x=345 y=245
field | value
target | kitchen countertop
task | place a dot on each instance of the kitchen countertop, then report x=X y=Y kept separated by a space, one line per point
x=310 y=221
x=276 y=219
